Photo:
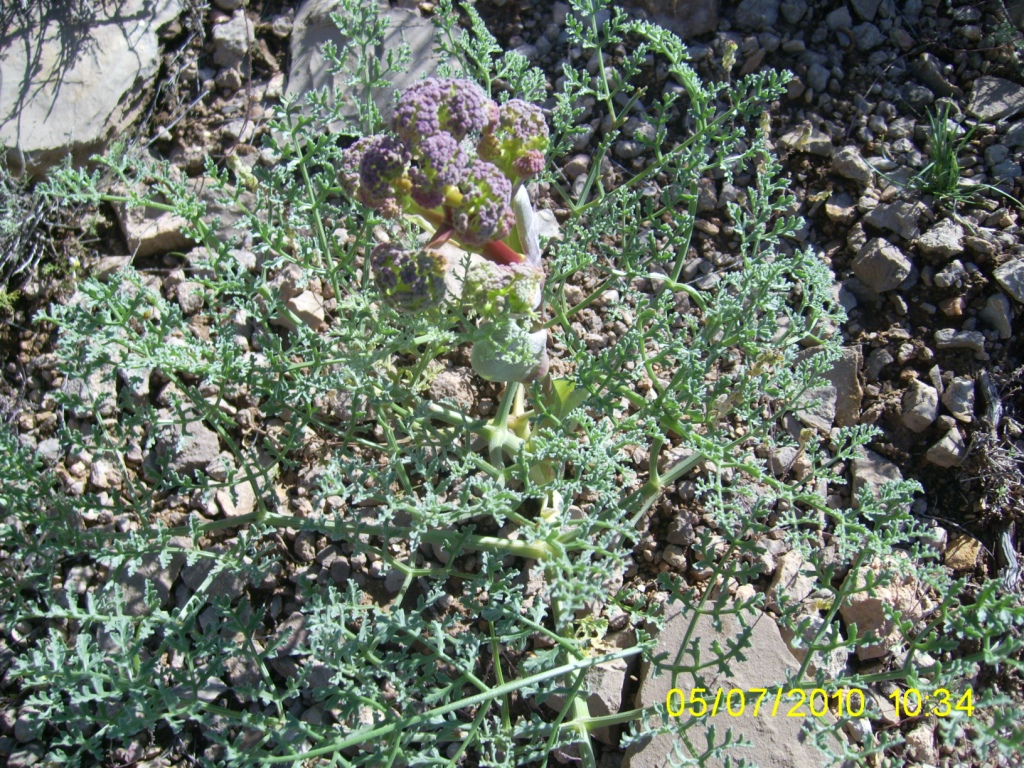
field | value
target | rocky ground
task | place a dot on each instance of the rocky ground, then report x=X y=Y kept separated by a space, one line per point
x=933 y=285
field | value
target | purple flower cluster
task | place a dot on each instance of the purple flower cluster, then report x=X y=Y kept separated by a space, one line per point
x=409 y=281
x=432 y=164
x=516 y=141
x=482 y=212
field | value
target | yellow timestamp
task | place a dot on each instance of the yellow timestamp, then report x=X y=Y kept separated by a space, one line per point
x=939 y=703
x=737 y=702
x=816 y=702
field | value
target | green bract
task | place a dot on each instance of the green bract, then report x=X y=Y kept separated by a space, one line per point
x=492 y=289
x=508 y=352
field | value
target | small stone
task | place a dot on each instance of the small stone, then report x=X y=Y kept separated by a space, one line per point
x=943 y=241
x=757 y=15
x=872 y=470
x=877 y=360
x=994 y=99
x=817 y=77
x=996 y=154
x=900 y=217
x=952 y=275
x=918 y=98
x=867 y=36
x=190 y=449
x=962 y=553
x=949 y=451
x=929 y=70
x=228 y=5
x=793 y=581
x=229 y=79
x=839 y=19
x=953 y=307
x=1011 y=276
x=812 y=141
x=865 y=9
x=947 y=338
x=849 y=164
x=841 y=209
x=190 y=297
x=921 y=744
x=881 y=265
x=49 y=451
x=959 y=398
x=231 y=41
x=577 y=166
x=627 y=149
x=920 y=406
x=793 y=10
x=897 y=591
x=998 y=313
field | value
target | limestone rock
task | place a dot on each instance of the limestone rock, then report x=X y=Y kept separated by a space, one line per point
x=959 y=398
x=793 y=581
x=945 y=240
x=150 y=571
x=310 y=71
x=149 y=231
x=817 y=408
x=232 y=40
x=881 y=265
x=950 y=451
x=895 y=587
x=1011 y=276
x=899 y=217
x=920 y=406
x=849 y=164
x=994 y=99
x=778 y=742
x=191 y=448
x=815 y=142
x=849 y=392
x=872 y=470
x=947 y=338
x=69 y=88
x=998 y=313
x=834 y=661
x=454 y=386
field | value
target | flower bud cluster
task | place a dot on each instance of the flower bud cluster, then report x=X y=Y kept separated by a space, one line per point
x=454 y=153
x=455 y=158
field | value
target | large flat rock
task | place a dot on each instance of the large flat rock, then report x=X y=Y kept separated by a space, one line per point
x=778 y=742
x=69 y=82
x=310 y=70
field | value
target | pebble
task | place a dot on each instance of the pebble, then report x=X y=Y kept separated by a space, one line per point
x=997 y=312
x=757 y=14
x=899 y=217
x=949 y=451
x=947 y=338
x=959 y=398
x=952 y=275
x=920 y=406
x=867 y=36
x=577 y=166
x=793 y=10
x=944 y=240
x=877 y=360
x=881 y=265
x=849 y=164
x=1011 y=277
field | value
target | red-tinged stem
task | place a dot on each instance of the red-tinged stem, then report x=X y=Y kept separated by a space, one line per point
x=500 y=253
x=496 y=250
x=441 y=236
